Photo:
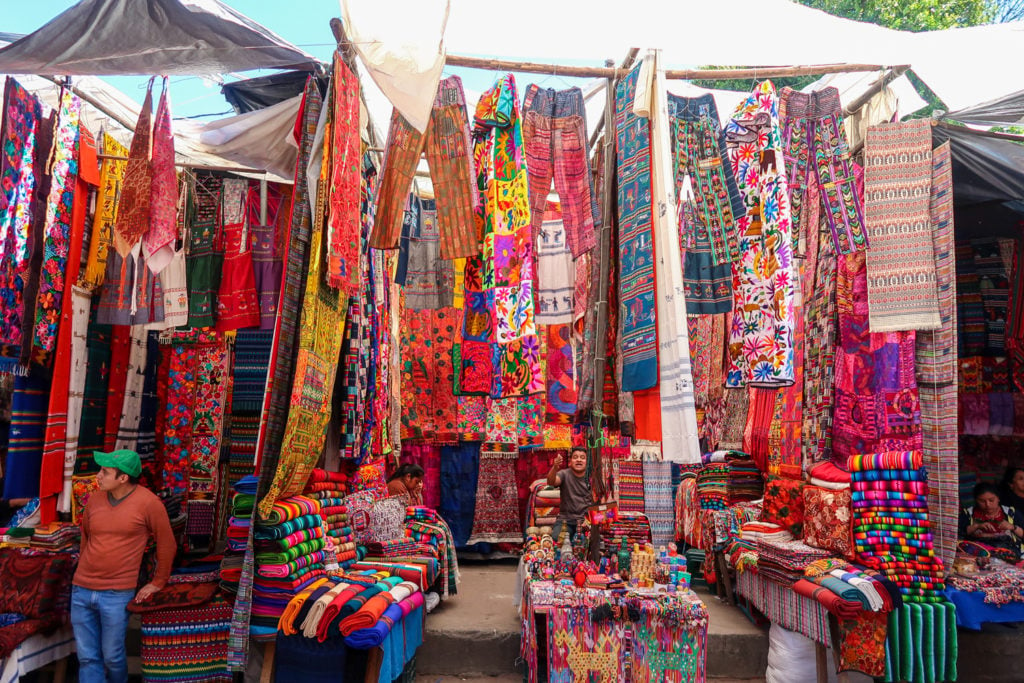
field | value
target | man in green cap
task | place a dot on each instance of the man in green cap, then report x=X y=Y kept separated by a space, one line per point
x=116 y=526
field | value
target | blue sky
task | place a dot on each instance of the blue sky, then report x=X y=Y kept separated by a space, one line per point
x=305 y=23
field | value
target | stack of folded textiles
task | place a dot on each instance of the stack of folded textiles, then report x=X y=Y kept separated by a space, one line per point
x=633 y=526
x=713 y=486
x=174 y=503
x=289 y=555
x=399 y=547
x=744 y=479
x=55 y=537
x=421 y=570
x=827 y=476
x=891 y=529
x=874 y=592
x=755 y=530
x=784 y=561
x=237 y=534
x=427 y=528
x=545 y=503
x=330 y=489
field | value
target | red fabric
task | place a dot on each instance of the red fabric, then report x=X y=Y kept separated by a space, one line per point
x=368 y=614
x=826 y=471
x=532 y=465
x=334 y=609
x=51 y=476
x=343 y=248
x=843 y=609
x=120 y=350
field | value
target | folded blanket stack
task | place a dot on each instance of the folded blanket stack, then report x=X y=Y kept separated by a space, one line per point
x=754 y=531
x=330 y=489
x=713 y=486
x=237 y=534
x=744 y=480
x=791 y=555
x=289 y=552
x=55 y=537
x=544 y=504
x=421 y=571
x=633 y=526
x=891 y=531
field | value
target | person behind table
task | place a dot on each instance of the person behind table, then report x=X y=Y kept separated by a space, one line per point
x=116 y=526
x=407 y=480
x=1012 y=493
x=991 y=523
x=575 y=491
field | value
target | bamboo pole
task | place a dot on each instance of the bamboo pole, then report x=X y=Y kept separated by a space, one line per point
x=86 y=97
x=875 y=88
x=675 y=74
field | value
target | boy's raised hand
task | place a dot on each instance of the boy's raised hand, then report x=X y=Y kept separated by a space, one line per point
x=559 y=461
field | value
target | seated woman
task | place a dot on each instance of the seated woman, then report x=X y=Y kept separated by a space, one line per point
x=998 y=527
x=407 y=480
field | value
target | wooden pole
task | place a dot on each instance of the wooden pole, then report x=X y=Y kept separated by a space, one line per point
x=675 y=74
x=86 y=97
x=875 y=88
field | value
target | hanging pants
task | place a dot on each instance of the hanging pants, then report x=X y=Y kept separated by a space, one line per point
x=555 y=136
x=814 y=141
x=449 y=156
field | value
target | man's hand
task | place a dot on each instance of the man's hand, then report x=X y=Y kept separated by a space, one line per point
x=146 y=592
x=558 y=462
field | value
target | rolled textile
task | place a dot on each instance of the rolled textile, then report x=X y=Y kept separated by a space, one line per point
x=843 y=590
x=366 y=638
x=827 y=471
x=875 y=602
x=354 y=605
x=333 y=608
x=919 y=488
x=290 y=568
x=284 y=529
x=843 y=609
x=290 y=554
x=311 y=624
x=886 y=495
x=286 y=623
x=297 y=537
x=830 y=485
x=291 y=508
x=417 y=574
x=369 y=613
x=890 y=475
x=891 y=460
x=420 y=513
x=320 y=475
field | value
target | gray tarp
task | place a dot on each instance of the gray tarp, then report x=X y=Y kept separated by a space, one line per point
x=125 y=37
x=984 y=169
x=1005 y=111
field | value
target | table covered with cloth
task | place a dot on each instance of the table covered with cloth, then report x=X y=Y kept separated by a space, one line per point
x=35 y=652
x=972 y=610
x=614 y=636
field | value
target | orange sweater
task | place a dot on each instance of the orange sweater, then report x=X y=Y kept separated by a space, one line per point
x=114 y=538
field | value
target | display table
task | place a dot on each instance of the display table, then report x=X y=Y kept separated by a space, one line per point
x=972 y=611
x=36 y=652
x=619 y=635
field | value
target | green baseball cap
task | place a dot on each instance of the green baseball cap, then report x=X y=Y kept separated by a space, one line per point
x=125 y=460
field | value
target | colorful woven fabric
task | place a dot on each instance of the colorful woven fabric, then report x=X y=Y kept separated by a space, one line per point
x=629 y=485
x=429 y=409
x=63 y=167
x=827 y=520
x=22 y=116
x=342 y=238
x=496 y=519
x=187 y=645
x=902 y=293
x=764 y=279
x=636 y=242
x=158 y=240
x=922 y=643
x=784 y=504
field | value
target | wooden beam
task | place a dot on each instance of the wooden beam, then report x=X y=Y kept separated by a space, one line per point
x=86 y=97
x=875 y=88
x=674 y=74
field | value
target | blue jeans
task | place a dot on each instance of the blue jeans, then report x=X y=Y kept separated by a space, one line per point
x=570 y=524
x=100 y=622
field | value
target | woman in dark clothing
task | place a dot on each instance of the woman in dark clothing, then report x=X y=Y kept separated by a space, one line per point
x=996 y=526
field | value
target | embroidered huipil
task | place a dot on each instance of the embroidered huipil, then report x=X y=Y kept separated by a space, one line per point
x=499 y=283
x=761 y=338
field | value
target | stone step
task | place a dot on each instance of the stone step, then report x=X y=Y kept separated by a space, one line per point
x=476 y=633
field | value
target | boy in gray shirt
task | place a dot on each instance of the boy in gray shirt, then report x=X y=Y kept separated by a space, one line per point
x=575 y=491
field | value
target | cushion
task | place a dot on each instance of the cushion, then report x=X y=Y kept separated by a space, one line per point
x=784 y=504
x=827 y=520
x=33 y=582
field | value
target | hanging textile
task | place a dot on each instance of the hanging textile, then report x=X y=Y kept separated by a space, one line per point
x=451 y=162
x=45 y=142
x=555 y=145
x=499 y=351
x=936 y=369
x=209 y=406
x=815 y=146
x=133 y=204
x=21 y=122
x=249 y=376
x=27 y=431
x=158 y=241
x=111 y=174
x=316 y=366
x=174 y=287
x=131 y=406
x=237 y=304
x=268 y=246
x=429 y=410
x=81 y=300
x=636 y=244
x=343 y=241
x=57 y=231
x=428 y=279
x=561 y=375
x=496 y=519
x=901 y=262
x=203 y=264
x=94 y=404
x=346 y=389
x=131 y=293
x=678 y=410
x=51 y=480
x=460 y=467
x=709 y=203
x=556 y=272
x=761 y=338
x=820 y=320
